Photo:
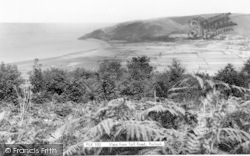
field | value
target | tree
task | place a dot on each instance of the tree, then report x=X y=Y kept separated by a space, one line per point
x=138 y=81
x=75 y=92
x=10 y=81
x=36 y=77
x=176 y=70
x=139 y=68
x=110 y=73
x=165 y=80
x=232 y=77
x=246 y=67
x=56 y=82
x=81 y=73
x=229 y=75
x=245 y=73
x=111 y=68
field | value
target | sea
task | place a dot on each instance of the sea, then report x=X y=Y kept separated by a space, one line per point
x=27 y=41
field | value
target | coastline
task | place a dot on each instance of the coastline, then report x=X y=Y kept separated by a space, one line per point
x=101 y=45
x=70 y=60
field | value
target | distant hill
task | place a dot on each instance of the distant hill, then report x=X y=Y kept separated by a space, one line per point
x=160 y=28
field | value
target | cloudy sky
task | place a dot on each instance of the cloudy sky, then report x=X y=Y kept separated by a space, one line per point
x=111 y=11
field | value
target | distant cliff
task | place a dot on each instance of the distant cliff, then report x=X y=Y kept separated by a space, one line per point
x=160 y=29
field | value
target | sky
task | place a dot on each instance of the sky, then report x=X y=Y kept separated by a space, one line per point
x=110 y=11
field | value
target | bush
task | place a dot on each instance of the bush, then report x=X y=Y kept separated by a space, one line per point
x=56 y=81
x=37 y=78
x=10 y=80
x=165 y=80
x=138 y=81
x=230 y=76
x=81 y=73
x=75 y=92
x=176 y=70
x=246 y=67
x=245 y=73
x=139 y=68
x=110 y=74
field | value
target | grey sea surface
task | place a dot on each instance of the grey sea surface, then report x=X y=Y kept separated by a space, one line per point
x=27 y=41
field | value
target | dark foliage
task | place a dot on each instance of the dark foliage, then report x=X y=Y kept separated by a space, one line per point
x=231 y=76
x=139 y=68
x=168 y=78
x=10 y=81
x=136 y=81
x=36 y=77
x=56 y=81
x=110 y=74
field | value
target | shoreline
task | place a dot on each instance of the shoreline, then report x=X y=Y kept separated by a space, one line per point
x=208 y=58
x=101 y=45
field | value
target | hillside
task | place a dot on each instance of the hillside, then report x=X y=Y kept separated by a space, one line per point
x=197 y=55
x=154 y=29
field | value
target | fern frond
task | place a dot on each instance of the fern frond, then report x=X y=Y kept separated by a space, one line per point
x=174 y=110
x=58 y=134
x=210 y=83
x=73 y=149
x=140 y=130
x=6 y=134
x=200 y=80
x=192 y=140
x=242 y=148
x=2 y=115
x=100 y=113
x=246 y=103
x=61 y=131
x=241 y=89
x=227 y=86
x=145 y=151
x=104 y=127
x=178 y=89
x=181 y=82
x=150 y=151
x=232 y=135
x=190 y=144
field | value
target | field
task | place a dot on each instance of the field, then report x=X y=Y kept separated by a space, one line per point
x=197 y=56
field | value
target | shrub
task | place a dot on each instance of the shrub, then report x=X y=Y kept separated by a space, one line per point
x=36 y=77
x=111 y=68
x=138 y=80
x=10 y=80
x=176 y=70
x=133 y=88
x=165 y=80
x=41 y=97
x=246 y=67
x=81 y=73
x=110 y=73
x=56 y=81
x=245 y=73
x=231 y=76
x=139 y=68
x=74 y=91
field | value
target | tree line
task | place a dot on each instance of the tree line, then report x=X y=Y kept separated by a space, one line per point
x=136 y=80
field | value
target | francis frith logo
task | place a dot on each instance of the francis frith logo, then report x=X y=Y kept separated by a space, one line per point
x=211 y=27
